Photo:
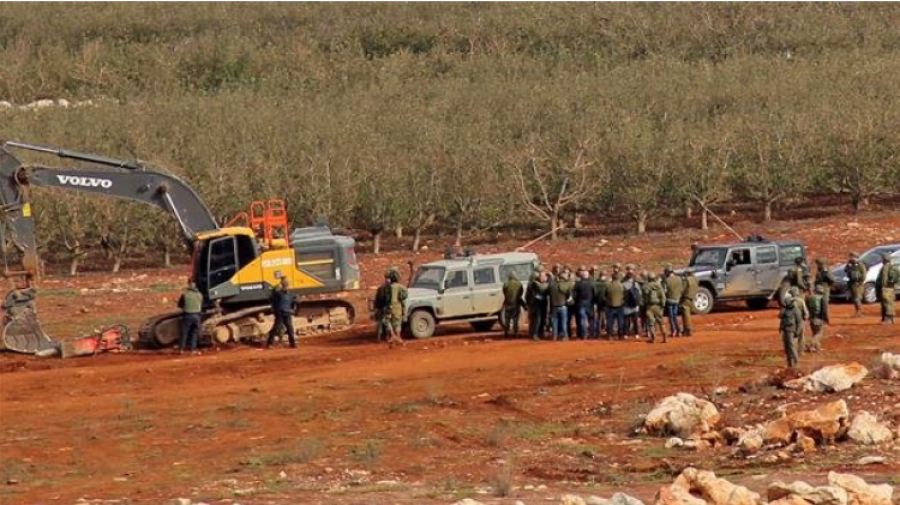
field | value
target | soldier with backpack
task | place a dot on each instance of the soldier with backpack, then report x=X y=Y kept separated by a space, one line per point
x=654 y=299
x=885 y=288
x=856 y=280
x=815 y=304
x=674 y=287
x=691 y=287
x=632 y=305
x=826 y=279
x=394 y=306
x=790 y=323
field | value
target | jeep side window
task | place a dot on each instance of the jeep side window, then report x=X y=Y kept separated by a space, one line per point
x=523 y=271
x=787 y=254
x=766 y=255
x=484 y=276
x=456 y=279
x=740 y=257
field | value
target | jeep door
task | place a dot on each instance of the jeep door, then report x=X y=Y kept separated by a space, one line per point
x=456 y=300
x=768 y=275
x=740 y=274
x=487 y=296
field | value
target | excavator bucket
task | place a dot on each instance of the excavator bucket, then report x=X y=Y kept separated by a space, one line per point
x=22 y=331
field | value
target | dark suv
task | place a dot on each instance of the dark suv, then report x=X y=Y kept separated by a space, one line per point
x=750 y=271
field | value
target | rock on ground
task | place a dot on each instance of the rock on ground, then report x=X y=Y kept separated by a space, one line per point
x=571 y=499
x=682 y=415
x=859 y=491
x=468 y=501
x=825 y=495
x=711 y=489
x=830 y=379
x=890 y=364
x=825 y=423
x=865 y=429
x=617 y=499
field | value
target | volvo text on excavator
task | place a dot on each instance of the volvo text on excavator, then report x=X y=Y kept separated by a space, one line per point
x=234 y=266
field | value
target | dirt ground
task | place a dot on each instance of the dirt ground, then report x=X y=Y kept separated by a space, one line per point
x=344 y=420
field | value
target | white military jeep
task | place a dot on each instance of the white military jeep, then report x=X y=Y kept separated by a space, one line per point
x=468 y=289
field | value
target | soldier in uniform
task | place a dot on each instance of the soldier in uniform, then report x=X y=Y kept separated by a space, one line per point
x=513 y=301
x=790 y=323
x=824 y=278
x=856 y=279
x=816 y=306
x=654 y=299
x=674 y=287
x=803 y=314
x=536 y=298
x=600 y=283
x=798 y=276
x=885 y=286
x=381 y=303
x=691 y=286
x=615 y=313
x=394 y=307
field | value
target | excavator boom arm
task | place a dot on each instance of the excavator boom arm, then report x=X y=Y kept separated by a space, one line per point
x=124 y=180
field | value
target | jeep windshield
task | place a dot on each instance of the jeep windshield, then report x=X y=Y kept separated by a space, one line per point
x=709 y=257
x=429 y=278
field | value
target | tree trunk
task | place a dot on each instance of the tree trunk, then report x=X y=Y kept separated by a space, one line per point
x=641 y=218
x=704 y=220
x=399 y=231
x=73 y=265
x=767 y=212
x=554 y=224
x=167 y=256
x=689 y=211
x=459 y=234
x=857 y=202
x=376 y=246
x=417 y=237
x=117 y=265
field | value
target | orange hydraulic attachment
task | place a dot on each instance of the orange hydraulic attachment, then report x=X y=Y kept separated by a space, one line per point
x=268 y=220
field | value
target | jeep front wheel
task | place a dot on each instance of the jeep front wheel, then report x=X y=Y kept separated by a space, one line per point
x=421 y=324
x=869 y=294
x=704 y=301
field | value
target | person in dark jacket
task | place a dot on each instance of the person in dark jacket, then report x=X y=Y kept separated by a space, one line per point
x=536 y=298
x=191 y=304
x=583 y=295
x=674 y=286
x=513 y=302
x=560 y=292
x=283 y=305
x=615 y=313
x=600 y=283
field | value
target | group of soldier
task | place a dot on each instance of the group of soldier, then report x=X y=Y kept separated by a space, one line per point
x=805 y=298
x=615 y=304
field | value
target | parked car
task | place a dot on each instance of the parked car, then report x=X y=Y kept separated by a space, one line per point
x=872 y=260
x=468 y=289
x=751 y=271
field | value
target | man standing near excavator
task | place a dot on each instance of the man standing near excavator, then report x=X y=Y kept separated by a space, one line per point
x=283 y=305
x=191 y=304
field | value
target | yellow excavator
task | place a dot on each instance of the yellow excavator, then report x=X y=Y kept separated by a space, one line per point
x=235 y=266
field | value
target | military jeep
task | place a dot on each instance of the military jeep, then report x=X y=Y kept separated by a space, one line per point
x=468 y=289
x=751 y=271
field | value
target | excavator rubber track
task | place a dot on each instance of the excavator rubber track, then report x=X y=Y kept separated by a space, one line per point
x=314 y=317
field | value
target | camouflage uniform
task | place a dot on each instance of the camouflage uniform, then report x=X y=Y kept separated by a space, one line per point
x=537 y=305
x=674 y=286
x=885 y=286
x=381 y=304
x=654 y=299
x=789 y=326
x=615 y=315
x=856 y=280
x=395 y=301
x=798 y=277
x=816 y=306
x=803 y=315
x=513 y=301
x=691 y=286
x=824 y=278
